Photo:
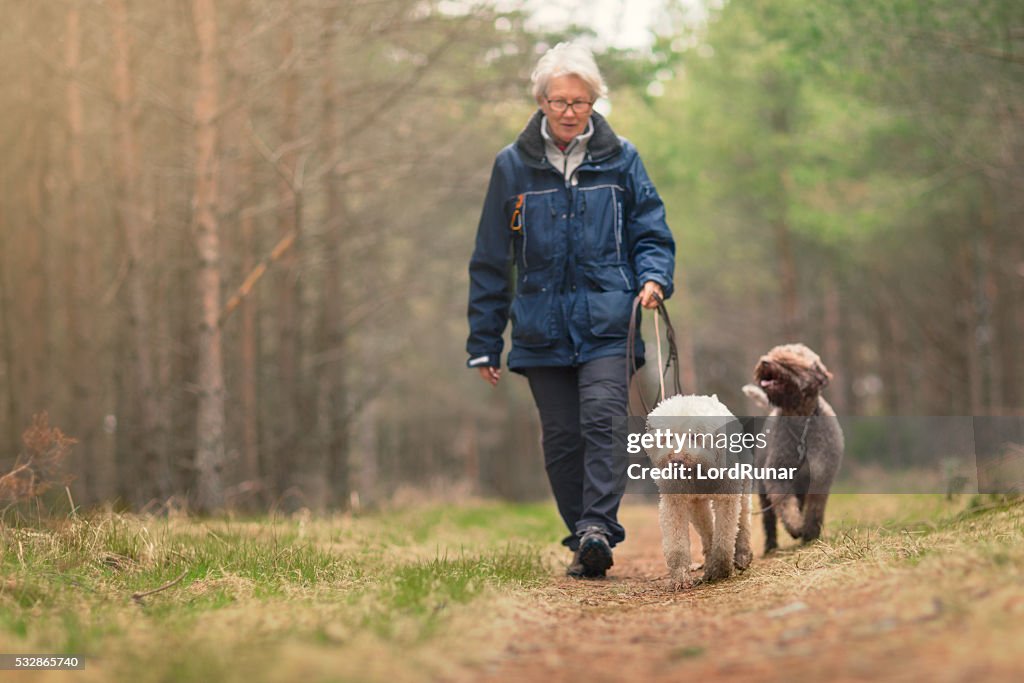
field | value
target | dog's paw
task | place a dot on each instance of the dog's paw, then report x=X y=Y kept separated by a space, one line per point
x=680 y=578
x=743 y=559
x=689 y=583
x=716 y=571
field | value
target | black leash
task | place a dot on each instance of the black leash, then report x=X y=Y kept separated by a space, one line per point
x=673 y=352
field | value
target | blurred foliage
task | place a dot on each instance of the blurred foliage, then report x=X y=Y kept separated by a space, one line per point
x=848 y=174
x=887 y=137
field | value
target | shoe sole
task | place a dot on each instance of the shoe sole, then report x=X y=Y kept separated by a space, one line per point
x=596 y=558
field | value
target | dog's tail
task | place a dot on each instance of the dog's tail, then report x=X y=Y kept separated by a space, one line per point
x=757 y=395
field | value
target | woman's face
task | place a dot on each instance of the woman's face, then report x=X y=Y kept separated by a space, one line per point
x=566 y=125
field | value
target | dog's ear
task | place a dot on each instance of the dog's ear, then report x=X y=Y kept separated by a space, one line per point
x=820 y=376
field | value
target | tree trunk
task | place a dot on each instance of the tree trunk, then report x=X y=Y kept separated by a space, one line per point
x=249 y=378
x=287 y=455
x=12 y=441
x=988 y=301
x=971 y=322
x=684 y=334
x=31 y=302
x=210 y=374
x=79 y=350
x=833 y=353
x=787 y=280
x=155 y=479
x=333 y=409
x=239 y=182
x=1011 y=327
x=787 y=268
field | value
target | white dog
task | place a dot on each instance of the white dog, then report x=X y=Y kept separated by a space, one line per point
x=719 y=508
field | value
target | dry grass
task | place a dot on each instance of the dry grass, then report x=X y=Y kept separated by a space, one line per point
x=474 y=591
x=259 y=595
x=897 y=596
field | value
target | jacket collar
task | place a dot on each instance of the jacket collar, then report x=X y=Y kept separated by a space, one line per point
x=579 y=142
x=604 y=143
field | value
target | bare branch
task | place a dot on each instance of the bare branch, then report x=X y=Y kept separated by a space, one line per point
x=257 y=273
x=272 y=157
x=137 y=597
x=384 y=102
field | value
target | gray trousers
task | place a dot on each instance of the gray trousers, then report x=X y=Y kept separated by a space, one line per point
x=576 y=406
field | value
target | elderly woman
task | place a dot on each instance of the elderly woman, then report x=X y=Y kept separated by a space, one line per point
x=571 y=206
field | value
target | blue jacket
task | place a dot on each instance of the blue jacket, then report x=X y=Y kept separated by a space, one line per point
x=581 y=253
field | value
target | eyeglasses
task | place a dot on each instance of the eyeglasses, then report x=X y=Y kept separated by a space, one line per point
x=579 y=106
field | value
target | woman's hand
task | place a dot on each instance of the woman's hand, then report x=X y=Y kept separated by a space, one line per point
x=647 y=299
x=489 y=375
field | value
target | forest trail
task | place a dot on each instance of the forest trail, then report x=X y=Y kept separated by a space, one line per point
x=825 y=611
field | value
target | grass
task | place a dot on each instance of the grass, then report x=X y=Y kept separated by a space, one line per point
x=905 y=555
x=252 y=589
x=403 y=595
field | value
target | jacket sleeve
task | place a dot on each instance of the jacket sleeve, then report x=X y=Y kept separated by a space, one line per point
x=489 y=271
x=652 y=247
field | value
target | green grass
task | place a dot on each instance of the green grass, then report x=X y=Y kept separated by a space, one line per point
x=888 y=535
x=252 y=588
x=426 y=589
x=393 y=596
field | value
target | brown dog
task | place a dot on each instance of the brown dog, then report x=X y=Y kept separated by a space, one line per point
x=802 y=432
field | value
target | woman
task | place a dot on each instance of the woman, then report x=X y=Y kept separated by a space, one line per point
x=570 y=204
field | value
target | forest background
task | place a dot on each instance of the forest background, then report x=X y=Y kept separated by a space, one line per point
x=234 y=235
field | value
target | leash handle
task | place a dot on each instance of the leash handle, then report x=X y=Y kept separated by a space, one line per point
x=673 y=352
x=657 y=338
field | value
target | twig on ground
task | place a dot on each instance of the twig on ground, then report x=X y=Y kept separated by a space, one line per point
x=137 y=597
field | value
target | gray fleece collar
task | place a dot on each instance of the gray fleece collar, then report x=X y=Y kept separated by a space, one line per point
x=603 y=143
x=581 y=139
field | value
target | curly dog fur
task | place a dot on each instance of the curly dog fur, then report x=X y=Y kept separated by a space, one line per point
x=801 y=431
x=720 y=510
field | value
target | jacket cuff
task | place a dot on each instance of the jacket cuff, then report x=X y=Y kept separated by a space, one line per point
x=666 y=284
x=492 y=360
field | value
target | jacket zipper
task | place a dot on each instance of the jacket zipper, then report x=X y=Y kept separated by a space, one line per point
x=618 y=239
x=525 y=264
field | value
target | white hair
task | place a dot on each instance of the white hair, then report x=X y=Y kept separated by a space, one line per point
x=568 y=59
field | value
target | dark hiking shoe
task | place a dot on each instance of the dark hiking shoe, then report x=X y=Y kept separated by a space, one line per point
x=595 y=555
x=575 y=568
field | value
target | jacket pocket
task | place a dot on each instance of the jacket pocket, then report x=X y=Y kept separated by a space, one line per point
x=536 y=318
x=610 y=294
x=600 y=207
x=534 y=220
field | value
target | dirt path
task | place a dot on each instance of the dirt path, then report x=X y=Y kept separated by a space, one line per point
x=775 y=622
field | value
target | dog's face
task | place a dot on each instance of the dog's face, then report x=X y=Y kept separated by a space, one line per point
x=691 y=421
x=791 y=375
